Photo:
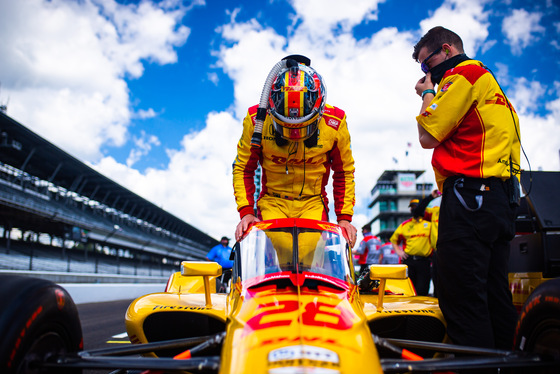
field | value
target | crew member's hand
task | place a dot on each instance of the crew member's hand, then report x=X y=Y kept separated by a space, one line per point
x=242 y=226
x=436 y=193
x=350 y=230
x=402 y=254
x=425 y=83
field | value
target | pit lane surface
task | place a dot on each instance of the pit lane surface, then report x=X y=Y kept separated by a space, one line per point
x=103 y=326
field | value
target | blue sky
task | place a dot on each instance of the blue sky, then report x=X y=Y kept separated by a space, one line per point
x=152 y=93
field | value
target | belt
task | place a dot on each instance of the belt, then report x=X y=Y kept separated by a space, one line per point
x=291 y=198
x=416 y=258
x=477 y=184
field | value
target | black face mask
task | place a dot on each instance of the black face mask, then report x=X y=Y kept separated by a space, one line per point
x=439 y=70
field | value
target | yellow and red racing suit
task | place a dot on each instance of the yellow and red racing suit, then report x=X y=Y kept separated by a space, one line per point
x=470 y=109
x=432 y=214
x=294 y=176
x=414 y=234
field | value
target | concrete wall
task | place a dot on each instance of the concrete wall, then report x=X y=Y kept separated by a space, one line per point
x=83 y=293
x=96 y=288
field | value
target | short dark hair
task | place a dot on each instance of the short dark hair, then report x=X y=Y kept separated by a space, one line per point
x=435 y=38
x=366 y=227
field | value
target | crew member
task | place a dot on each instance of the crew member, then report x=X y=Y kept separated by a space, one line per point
x=414 y=236
x=221 y=254
x=369 y=249
x=474 y=131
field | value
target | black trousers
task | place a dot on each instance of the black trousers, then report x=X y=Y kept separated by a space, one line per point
x=419 y=273
x=472 y=265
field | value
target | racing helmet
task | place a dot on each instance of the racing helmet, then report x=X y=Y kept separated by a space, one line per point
x=296 y=102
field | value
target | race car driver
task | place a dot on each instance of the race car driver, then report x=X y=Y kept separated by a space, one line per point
x=303 y=138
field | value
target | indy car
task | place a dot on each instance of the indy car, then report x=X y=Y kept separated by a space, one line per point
x=294 y=305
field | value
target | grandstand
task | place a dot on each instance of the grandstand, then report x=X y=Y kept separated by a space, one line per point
x=58 y=214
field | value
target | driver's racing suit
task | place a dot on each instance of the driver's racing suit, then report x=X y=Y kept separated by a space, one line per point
x=294 y=176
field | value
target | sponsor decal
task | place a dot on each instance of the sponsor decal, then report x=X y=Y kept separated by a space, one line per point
x=294 y=88
x=280 y=160
x=283 y=313
x=304 y=356
x=262 y=226
x=306 y=352
x=300 y=369
x=526 y=308
x=332 y=122
x=134 y=339
x=514 y=167
x=22 y=334
x=433 y=106
x=518 y=289
x=303 y=339
x=328 y=227
x=406 y=182
x=60 y=299
x=179 y=307
x=412 y=311
x=446 y=86
x=500 y=100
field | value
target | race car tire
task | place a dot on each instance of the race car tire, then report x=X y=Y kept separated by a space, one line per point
x=38 y=321
x=538 y=326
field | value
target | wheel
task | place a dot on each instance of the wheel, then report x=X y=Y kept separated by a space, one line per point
x=538 y=327
x=38 y=321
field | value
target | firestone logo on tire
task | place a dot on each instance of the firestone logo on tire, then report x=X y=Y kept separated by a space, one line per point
x=60 y=299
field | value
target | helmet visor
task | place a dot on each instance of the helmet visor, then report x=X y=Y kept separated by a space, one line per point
x=296 y=134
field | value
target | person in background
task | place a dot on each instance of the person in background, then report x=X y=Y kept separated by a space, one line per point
x=368 y=250
x=474 y=132
x=389 y=254
x=430 y=213
x=221 y=254
x=414 y=236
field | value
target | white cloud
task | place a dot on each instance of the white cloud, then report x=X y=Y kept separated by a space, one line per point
x=197 y=185
x=213 y=77
x=143 y=145
x=145 y=114
x=467 y=18
x=67 y=60
x=521 y=29
x=527 y=95
x=538 y=132
x=321 y=15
